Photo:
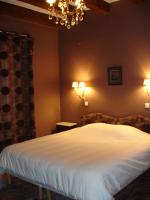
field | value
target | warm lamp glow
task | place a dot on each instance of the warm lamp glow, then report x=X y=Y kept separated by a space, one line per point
x=75 y=84
x=147 y=86
x=82 y=84
x=80 y=88
x=146 y=82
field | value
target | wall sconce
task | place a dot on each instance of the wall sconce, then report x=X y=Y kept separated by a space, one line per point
x=147 y=86
x=80 y=88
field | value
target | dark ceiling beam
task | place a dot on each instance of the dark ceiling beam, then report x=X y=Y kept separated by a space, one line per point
x=99 y=6
x=24 y=14
x=39 y=3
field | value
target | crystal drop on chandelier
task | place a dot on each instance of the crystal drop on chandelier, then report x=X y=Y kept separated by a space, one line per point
x=65 y=13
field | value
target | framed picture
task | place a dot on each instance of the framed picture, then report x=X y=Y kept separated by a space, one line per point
x=115 y=75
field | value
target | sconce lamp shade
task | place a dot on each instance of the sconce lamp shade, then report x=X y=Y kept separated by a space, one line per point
x=75 y=84
x=80 y=89
x=146 y=82
x=82 y=84
x=147 y=86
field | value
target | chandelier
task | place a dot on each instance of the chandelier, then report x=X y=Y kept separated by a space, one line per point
x=67 y=13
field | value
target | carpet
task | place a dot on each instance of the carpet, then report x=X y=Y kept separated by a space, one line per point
x=20 y=190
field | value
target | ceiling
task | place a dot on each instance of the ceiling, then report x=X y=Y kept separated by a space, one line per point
x=41 y=5
x=36 y=10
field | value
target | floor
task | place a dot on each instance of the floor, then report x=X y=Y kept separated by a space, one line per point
x=20 y=190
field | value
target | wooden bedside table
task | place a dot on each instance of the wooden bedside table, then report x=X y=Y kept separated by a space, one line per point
x=64 y=126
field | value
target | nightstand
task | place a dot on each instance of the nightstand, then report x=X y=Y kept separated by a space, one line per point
x=64 y=126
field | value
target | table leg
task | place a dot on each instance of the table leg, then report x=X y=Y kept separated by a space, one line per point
x=9 y=178
x=40 y=193
x=49 y=194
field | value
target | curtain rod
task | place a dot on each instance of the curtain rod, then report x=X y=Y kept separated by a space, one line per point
x=14 y=33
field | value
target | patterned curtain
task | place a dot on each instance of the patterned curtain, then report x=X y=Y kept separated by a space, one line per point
x=16 y=89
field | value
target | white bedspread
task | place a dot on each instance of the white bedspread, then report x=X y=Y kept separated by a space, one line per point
x=93 y=162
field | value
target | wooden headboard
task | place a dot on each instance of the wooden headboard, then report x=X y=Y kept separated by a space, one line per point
x=138 y=121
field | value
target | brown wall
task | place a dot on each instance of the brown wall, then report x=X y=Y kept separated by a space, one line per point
x=45 y=68
x=121 y=38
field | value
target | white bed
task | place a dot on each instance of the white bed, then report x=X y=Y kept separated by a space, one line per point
x=93 y=162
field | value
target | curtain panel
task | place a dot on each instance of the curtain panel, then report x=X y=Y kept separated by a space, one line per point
x=16 y=89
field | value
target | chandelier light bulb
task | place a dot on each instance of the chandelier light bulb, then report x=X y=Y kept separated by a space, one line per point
x=50 y=17
x=51 y=2
x=77 y=2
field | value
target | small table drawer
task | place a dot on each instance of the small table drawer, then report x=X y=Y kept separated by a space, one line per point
x=64 y=126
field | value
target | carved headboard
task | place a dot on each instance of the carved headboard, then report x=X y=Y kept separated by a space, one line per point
x=138 y=121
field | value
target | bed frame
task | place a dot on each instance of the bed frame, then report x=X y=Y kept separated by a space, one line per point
x=138 y=121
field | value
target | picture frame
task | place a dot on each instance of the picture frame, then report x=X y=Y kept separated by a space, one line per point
x=114 y=75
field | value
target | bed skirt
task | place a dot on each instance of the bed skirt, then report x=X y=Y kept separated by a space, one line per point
x=138 y=189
